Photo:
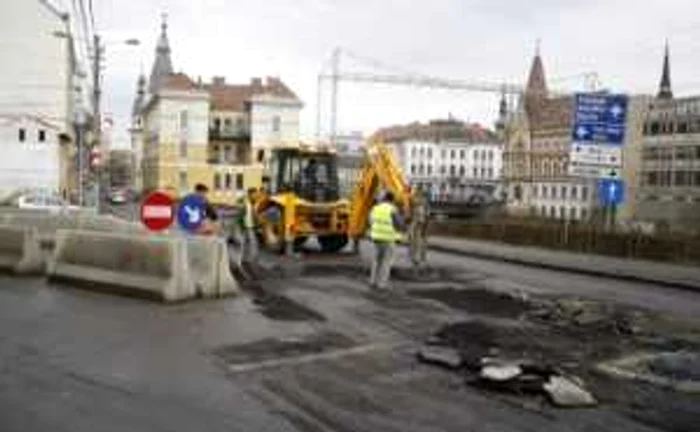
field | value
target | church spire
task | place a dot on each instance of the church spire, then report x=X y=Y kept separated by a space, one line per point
x=665 y=91
x=537 y=82
x=163 y=65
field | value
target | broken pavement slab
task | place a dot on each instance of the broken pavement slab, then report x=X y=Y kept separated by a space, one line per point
x=441 y=356
x=568 y=392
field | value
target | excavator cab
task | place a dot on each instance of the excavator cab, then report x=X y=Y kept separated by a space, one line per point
x=312 y=176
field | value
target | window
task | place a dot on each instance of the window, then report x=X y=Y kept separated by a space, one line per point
x=421 y=169
x=183 y=148
x=22 y=135
x=452 y=154
x=534 y=191
x=483 y=172
x=483 y=155
x=563 y=192
x=552 y=212
x=228 y=154
x=490 y=155
x=227 y=181
x=461 y=171
x=42 y=135
x=681 y=178
x=545 y=191
x=475 y=172
x=584 y=195
x=261 y=155
x=183 y=181
x=554 y=192
x=239 y=181
x=696 y=180
x=475 y=155
x=413 y=152
x=490 y=173
x=652 y=179
x=543 y=211
x=584 y=214
x=452 y=170
x=430 y=153
x=572 y=213
x=574 y=192
x=430 y=169
x=562 y=212
x=217 y=181
x=240 y=125
x=217 y=124
x=461 y=154
x=413 y=169
x=420 y=152
x=183 y=119
x=276 y=124
x=442 y=169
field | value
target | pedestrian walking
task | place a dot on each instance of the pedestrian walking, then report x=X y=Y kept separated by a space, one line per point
x=418 y=229
x=249 y=243
x=210 y=225
x=385 y=227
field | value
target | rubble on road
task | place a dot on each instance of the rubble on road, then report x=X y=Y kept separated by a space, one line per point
x=441 y=356
x=568 y=392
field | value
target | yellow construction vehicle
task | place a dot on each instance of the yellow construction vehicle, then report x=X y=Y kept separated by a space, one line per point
x=301 y=197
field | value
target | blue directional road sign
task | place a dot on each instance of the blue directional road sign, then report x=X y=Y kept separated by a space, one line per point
x=600 y=118
x=611 y=192
x=191 y=212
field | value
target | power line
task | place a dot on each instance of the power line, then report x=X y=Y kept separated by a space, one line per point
x=92 y=16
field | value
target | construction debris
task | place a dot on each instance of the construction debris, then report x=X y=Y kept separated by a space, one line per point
x=565 y=392
x=441 y=356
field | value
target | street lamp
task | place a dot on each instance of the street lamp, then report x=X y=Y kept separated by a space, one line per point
x=98 y=48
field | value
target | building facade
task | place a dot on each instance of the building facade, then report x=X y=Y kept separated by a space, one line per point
x=216 y=133
x=669 y=180
x=536 y=157
x=450 y=159
x=36 y=96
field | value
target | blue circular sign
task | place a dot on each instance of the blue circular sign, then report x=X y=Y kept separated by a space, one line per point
x=191 y=212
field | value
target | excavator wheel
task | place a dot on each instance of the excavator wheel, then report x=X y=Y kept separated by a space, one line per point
x=333 y=243
x=272 y=235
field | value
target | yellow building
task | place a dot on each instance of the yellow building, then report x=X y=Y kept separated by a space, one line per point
x=215 y=133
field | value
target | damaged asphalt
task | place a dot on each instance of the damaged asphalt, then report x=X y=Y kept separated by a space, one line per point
x=308 y=348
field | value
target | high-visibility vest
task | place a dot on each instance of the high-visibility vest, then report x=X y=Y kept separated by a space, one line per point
x=382 y=223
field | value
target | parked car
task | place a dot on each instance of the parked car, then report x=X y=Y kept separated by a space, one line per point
x=118 y=196
x=44 y=201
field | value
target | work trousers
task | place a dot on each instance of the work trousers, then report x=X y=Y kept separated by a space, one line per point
x=249 y=246
x=418 y=245
x=381 y=264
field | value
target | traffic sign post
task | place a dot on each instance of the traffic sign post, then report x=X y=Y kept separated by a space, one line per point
x=157 y=211
x=598 y=134
x=191 y=212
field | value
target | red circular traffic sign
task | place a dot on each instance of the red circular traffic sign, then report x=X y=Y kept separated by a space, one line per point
x=157 y=211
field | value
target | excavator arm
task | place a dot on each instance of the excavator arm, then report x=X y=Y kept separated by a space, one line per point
x=380 y=170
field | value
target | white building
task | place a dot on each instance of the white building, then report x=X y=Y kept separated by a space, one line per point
x=36 y=96
x=30 y=153
x=450 y=159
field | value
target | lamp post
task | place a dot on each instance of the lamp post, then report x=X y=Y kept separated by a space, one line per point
x=98 y=47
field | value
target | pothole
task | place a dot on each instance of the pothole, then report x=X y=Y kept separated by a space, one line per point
x=677 y=370
x=477 y=301
x=276 y=349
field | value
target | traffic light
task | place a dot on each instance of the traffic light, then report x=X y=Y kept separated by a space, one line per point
x=95 y=159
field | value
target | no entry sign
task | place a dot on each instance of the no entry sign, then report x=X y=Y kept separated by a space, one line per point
x=157 y=211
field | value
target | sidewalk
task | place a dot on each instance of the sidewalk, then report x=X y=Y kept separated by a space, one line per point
x=678 y=276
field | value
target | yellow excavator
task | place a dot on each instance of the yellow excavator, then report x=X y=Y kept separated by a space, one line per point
x=301 y=197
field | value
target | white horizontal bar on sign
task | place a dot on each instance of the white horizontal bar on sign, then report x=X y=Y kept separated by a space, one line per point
x=157 y=212
x=595 y=154
x=593 y=171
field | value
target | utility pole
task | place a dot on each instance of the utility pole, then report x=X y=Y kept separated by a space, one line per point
x=97 y=118
x=335 y=71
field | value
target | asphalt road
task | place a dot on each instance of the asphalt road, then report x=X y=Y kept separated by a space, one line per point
x=72 y=360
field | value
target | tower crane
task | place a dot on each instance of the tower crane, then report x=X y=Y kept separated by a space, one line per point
x=408 y=79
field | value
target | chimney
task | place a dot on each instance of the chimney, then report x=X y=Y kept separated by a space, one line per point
x=219 y=80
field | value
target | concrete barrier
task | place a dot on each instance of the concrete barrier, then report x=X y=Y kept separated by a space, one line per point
x=210 y=270
x=161 y=267
x=20 y=251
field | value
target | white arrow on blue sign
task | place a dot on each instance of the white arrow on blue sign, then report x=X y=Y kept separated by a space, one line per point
x=611 y=192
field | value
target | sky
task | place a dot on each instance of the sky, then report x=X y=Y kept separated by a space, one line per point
x=468 y=40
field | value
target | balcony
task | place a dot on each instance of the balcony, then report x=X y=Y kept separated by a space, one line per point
x=229 y=134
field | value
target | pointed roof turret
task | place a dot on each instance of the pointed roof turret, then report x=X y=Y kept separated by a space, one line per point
x=140 y=95
x=502 y=111
x=536 y=81
x=665 y=91
x=163 y=65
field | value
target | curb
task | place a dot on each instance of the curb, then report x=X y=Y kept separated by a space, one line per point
x=686 y=286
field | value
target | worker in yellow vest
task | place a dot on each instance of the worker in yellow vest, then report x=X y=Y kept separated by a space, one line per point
x=385 y=230
x=249 y=242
